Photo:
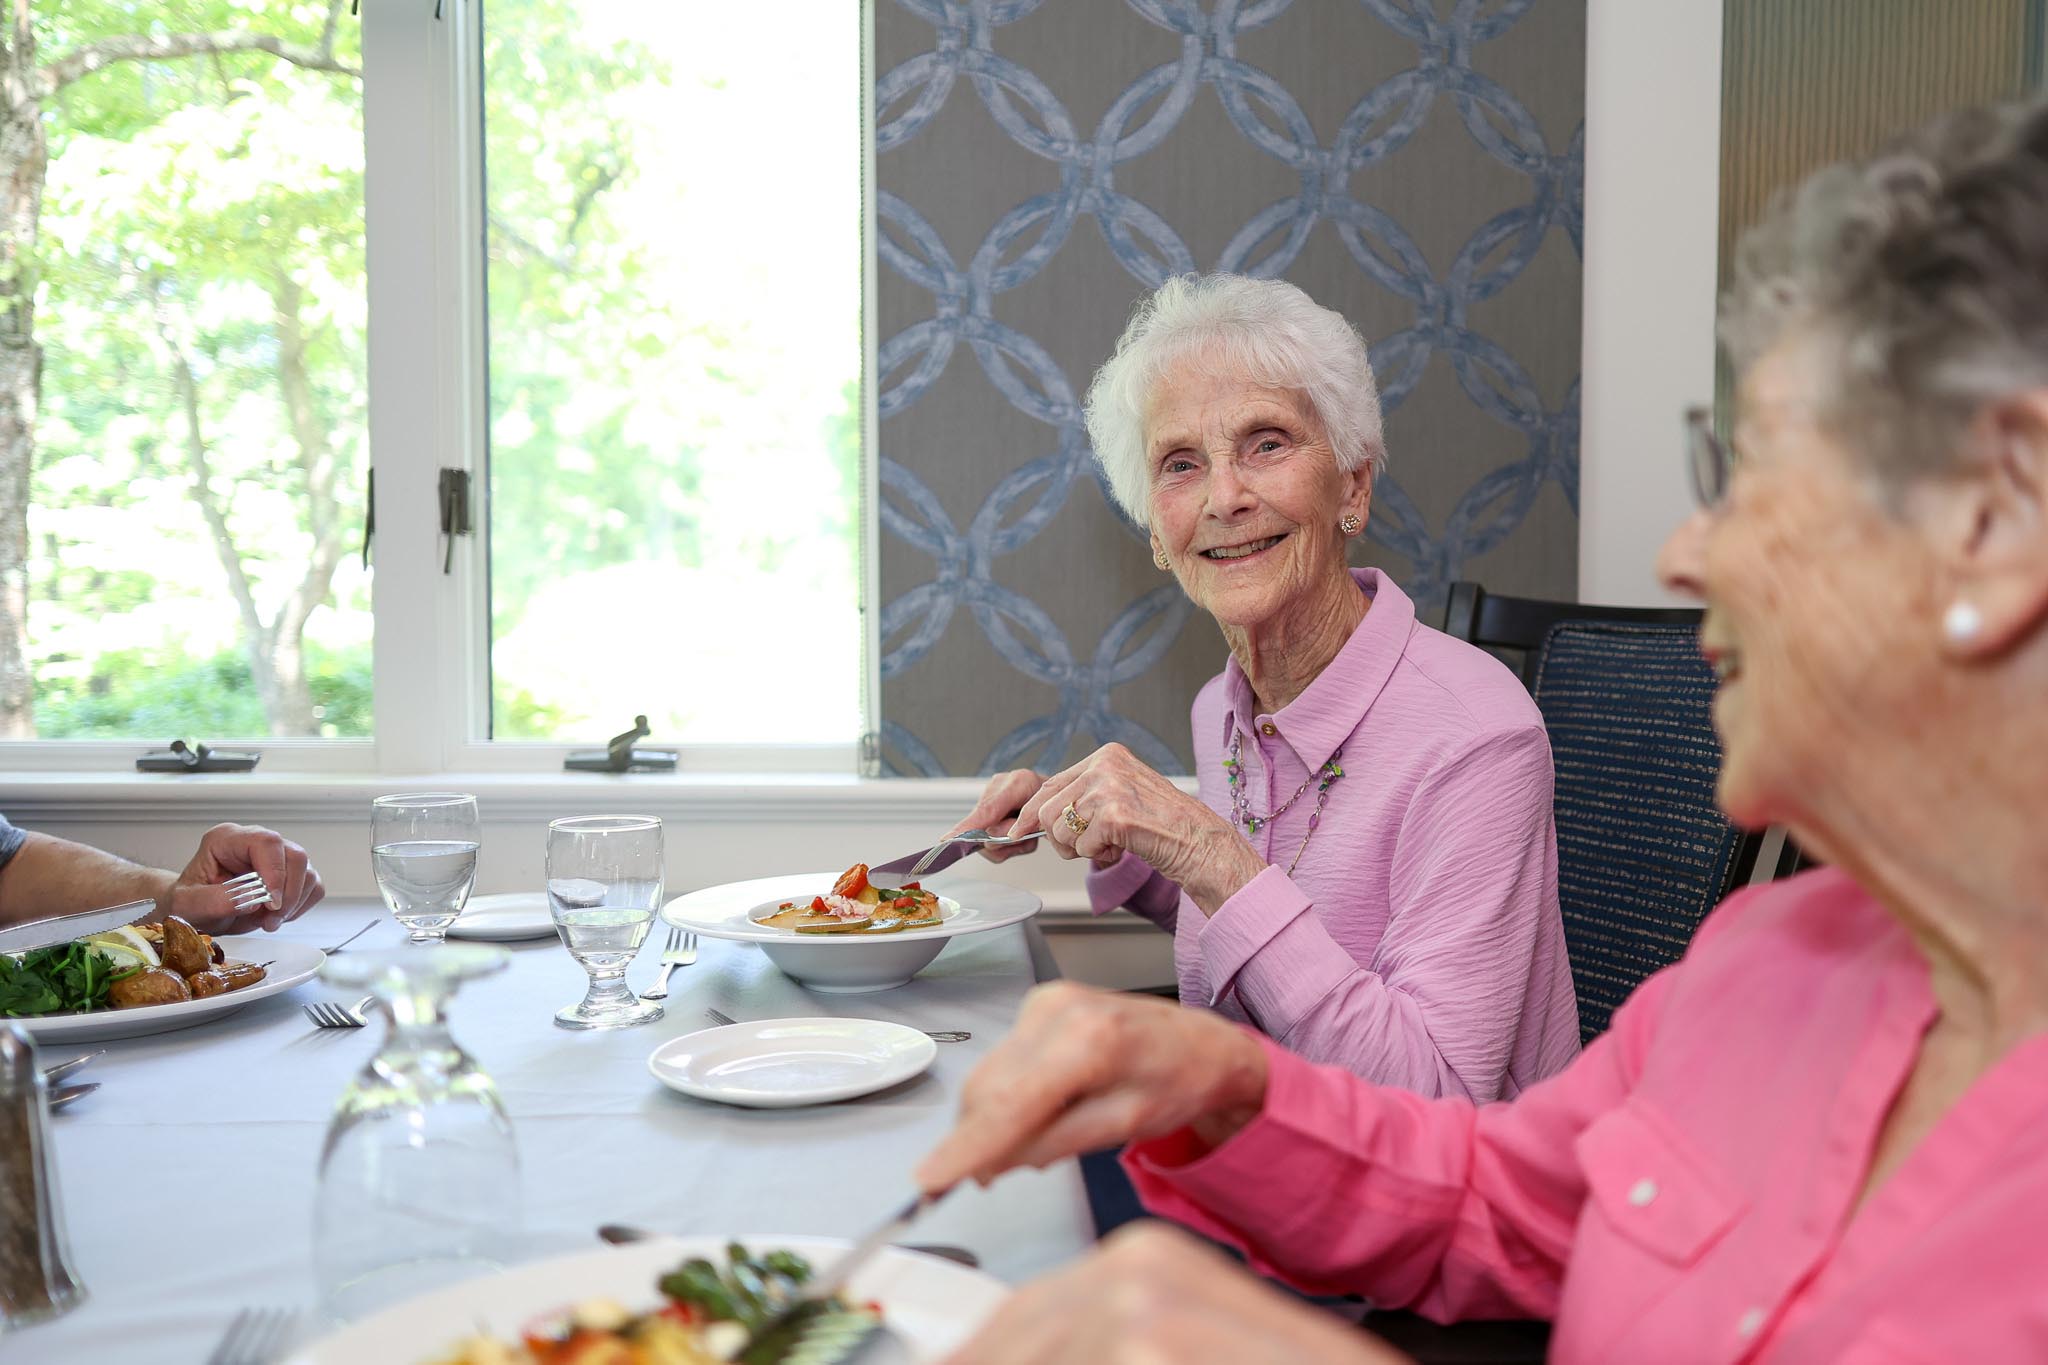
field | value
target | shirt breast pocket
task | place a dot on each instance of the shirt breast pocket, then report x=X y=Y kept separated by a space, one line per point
x=1653 y=1188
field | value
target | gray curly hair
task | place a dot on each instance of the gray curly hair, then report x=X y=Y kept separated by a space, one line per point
x=1924 y=272
x=1270 y=332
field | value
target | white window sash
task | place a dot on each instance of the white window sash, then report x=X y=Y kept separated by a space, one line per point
x=423 y=156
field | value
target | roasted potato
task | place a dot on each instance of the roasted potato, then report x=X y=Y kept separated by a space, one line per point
x=185 y=948
x=241 y=974
x=156 y=986
x=207 y=984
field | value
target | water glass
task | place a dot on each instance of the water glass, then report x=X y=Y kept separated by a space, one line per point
x=419 y=1177
x=604 y=885
x=423 y=846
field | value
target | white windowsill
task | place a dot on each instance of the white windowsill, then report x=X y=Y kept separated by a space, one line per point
x=717 y=797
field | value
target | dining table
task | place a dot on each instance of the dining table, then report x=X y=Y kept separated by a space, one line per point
x=187 y=1179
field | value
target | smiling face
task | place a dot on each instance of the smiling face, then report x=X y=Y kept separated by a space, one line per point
x=1245 y=495
x=1817 y=603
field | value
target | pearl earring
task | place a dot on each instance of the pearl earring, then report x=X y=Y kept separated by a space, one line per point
x=1159 y=558
x=1351 y=525
x=1961 y=622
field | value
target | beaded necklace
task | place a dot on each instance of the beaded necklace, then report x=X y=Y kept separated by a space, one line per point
x=1241 y=807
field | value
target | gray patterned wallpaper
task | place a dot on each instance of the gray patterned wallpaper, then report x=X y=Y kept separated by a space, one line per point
x=1044 y=163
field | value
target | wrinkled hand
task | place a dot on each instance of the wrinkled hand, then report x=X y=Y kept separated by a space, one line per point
x=1130 y=808
x=1154 y=1294
x=1001 y=799
x=227 y=851
x=1085 y=1069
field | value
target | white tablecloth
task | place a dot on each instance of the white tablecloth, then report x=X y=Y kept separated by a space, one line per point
x=188 y=1178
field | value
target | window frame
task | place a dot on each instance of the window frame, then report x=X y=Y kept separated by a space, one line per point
x=427 y=338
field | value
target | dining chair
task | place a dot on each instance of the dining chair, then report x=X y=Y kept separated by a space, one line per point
x=1643 y=851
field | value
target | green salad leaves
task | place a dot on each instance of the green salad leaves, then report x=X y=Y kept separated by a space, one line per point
x=70 y=978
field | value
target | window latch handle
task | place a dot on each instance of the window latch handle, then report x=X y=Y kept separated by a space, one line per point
x=454 y=513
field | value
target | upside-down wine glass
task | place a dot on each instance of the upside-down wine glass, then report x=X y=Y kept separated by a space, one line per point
x=419 y=1176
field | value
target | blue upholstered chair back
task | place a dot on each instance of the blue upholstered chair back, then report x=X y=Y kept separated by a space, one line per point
x=1643 y=853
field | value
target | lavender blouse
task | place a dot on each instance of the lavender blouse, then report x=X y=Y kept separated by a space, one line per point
x=1417 y=943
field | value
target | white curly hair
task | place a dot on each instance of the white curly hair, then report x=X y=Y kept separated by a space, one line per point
x=1268 y=331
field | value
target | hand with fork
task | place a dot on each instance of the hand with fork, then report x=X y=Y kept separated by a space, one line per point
x=243 y=877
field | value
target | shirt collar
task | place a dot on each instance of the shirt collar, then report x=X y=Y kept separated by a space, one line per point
x=1315 y=723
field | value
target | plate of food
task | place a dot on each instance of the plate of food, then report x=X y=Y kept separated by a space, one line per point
x=673 y=1301
x=145 y=978
x=840 y=932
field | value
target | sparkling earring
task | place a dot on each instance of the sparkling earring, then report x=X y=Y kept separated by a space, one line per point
x=1351 y=525
x=1159 y=558
x=1961 y=622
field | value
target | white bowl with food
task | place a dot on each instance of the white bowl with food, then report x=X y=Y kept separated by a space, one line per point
x=857 y=942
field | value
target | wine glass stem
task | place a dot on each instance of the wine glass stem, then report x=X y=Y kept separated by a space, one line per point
x=608 y=989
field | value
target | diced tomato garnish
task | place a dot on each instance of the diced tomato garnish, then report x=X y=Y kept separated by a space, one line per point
x=817 y=905
x=852 y=882
x=912 y=886
x=688 y=1314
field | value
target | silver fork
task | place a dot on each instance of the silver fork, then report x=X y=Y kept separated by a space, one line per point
x=327 y=1014
x=679 y=951
x=951 y=1035
x=352 y=938
x=247 y=891
x=980 y=838
x=255 y=1336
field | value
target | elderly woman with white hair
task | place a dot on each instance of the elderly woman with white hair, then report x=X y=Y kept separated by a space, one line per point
x=1823 y=1135
x=1369 y=875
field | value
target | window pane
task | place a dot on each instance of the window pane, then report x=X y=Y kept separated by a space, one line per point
x=675 y=297
x=197 y=452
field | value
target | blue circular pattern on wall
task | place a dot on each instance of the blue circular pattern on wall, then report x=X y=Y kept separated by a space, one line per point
x=964 y=325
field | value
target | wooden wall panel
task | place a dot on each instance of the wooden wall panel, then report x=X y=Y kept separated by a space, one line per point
x=1806 y=82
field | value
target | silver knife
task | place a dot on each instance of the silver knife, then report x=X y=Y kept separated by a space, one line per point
x=896 y=867
x=47 y=933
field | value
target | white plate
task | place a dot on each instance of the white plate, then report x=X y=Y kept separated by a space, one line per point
x=846 y=962
x=779 y=1063
x=930 y=1306
x=290 y=964
x=505 y=918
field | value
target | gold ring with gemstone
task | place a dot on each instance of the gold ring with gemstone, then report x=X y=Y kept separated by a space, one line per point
x=1075 y=820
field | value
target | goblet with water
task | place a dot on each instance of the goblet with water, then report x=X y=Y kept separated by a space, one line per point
x=604 y=885
x=423 y=847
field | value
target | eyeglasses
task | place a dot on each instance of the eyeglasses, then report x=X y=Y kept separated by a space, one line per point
x=1708 y=459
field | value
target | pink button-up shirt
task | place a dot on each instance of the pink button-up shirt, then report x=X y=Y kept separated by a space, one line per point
x=1683 y=1192
x=1417 y=942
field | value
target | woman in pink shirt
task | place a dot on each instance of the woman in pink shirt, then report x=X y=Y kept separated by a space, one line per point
x=1369 y=875
x=1823 y=1135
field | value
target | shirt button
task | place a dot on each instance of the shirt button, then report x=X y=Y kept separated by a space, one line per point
x=1269 y=729
x=1642 y=1192
x=1751 y=1323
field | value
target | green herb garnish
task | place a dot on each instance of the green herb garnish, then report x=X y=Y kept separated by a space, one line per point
x=70 y=978
x=748 y=1291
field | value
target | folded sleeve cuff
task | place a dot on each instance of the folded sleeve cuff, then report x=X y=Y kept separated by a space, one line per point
x=1226 y=1191
x=1264 y=944
x=1112 y=887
